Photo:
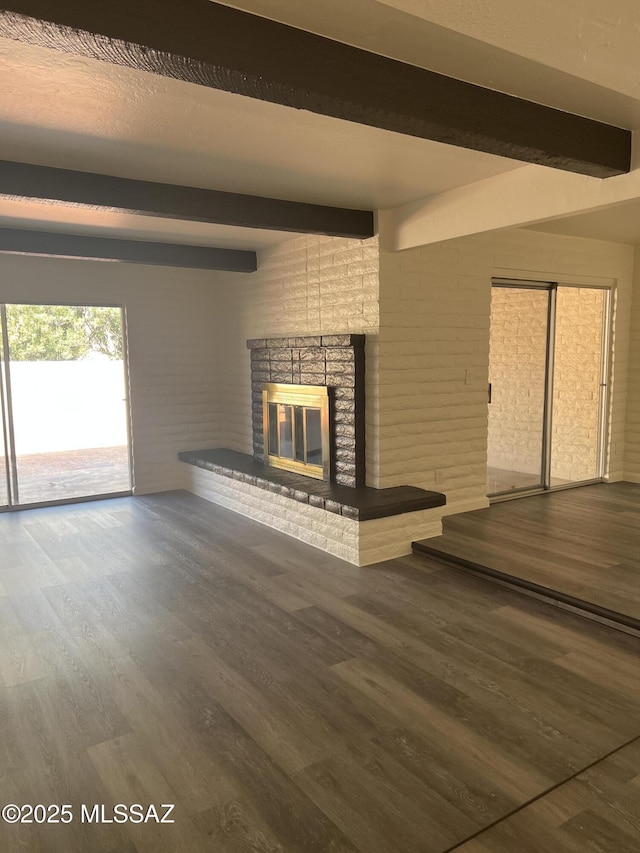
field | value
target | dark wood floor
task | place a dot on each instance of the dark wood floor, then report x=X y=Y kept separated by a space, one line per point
x=163 y=650
x=582 y=542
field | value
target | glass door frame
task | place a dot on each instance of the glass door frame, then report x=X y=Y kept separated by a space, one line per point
x=603 y=397
x=6 y=420
x=6 y=412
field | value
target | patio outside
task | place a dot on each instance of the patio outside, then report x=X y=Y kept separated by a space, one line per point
x=69 y=408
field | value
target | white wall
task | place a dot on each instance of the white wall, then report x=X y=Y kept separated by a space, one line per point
x=434 y=350
x=307 y=286
x=68 y=405
x=171 y=315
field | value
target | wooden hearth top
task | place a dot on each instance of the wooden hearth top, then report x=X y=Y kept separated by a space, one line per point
x=361 y=504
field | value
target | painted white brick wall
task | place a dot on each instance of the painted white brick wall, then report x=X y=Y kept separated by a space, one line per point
x=386 y=538
x=434 y=327
x=434 y=351
x=172 y=348
x=632 y=444
x=576 y=383
x=517 y=370
x=309 y=285
x=329 y=532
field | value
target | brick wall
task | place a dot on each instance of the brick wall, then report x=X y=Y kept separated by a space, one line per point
x=309 y=285
x=305 y=287
x=334 y=361
x=576 y=383
x=172 y=348
x=434 y=350
x=517 y=371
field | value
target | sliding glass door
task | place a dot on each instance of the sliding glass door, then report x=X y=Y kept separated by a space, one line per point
x=5 y=466
x=547 y=374
x=579 y=382
x=4 y=470
x=518 y=377
x=65 y=413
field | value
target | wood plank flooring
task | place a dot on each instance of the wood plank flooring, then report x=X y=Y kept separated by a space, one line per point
x=596 y=811
x=582 y=542
x=164 y=650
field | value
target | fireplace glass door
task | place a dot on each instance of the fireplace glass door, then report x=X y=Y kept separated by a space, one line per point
x=296 y=428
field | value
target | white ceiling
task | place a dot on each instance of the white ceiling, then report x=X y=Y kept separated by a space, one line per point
x=57 y=109
x=593 y=40
x=74 y=112
x=576 y=55
x=95 y=222
x=619 y=224
x=77 y=113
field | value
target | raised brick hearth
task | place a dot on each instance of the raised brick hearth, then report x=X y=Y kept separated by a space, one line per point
x=360 y=504
x=361 y=525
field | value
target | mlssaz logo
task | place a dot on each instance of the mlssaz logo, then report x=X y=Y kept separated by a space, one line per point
x=133 y=813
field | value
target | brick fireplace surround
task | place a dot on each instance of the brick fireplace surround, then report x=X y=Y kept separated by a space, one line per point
x=344 y=517
x=333 y=361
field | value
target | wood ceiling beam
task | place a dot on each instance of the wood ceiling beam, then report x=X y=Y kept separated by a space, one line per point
x=212 y=45
x=23 y=241
x=44 y=183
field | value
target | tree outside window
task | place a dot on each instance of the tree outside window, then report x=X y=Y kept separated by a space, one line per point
x=63 y=332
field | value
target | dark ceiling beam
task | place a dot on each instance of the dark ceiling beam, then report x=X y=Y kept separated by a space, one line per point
x=23 y=241
x=44 y=183
x=212 y=45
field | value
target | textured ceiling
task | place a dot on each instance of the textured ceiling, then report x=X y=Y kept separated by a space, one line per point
x=61 y=110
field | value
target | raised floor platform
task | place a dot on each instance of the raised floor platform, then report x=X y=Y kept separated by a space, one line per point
x=360 y=503
x=579 y=548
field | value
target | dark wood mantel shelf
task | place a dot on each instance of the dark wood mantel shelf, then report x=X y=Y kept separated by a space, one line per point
x=361 y=503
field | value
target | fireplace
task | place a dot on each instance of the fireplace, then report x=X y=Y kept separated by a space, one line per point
x=334 y=366
x=296 y=428
x=308 y=408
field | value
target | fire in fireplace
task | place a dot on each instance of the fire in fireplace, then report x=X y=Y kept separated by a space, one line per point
x=296 y=428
